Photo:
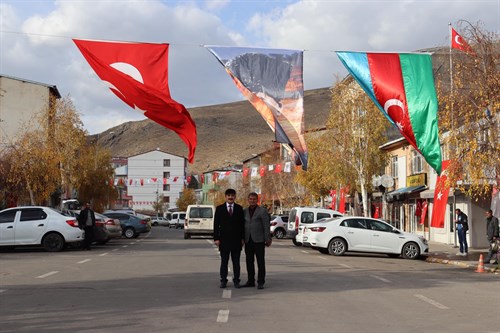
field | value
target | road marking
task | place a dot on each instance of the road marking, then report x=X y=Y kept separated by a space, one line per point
x=322 y=258
x=2 y=290
x=226 y=293
x=132 y=243
x=114 y=250
x=83 y=261
x=48 y=274
x=304 y=251
x=344 y=265
x=209 y=241
x=223 y=316
x=380 y=278
x=432 y=302
x=125 y=246
x=103 y=254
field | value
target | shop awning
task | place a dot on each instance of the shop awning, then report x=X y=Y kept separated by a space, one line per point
x=406 y=190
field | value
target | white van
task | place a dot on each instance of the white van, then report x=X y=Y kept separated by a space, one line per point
x=299 y=216
x=199 y=220
x=177 y=220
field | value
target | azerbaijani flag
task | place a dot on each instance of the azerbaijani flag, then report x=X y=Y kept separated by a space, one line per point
x=402 y=86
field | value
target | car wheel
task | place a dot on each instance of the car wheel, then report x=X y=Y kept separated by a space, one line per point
x=129 y=233
x=279 y=233
x=155 y=224
x=186 y=236
x=410 y=251
x=53 y=242
x=296 y=243
x=337 y=247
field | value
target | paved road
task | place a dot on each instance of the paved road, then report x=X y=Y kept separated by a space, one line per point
x=163 y=283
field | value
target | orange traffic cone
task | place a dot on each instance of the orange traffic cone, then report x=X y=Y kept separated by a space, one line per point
x=480 y=265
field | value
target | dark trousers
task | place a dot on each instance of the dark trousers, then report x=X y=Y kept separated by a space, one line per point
x=462 y=240
x=235 y=258
x=89 y=237
x=255 y=250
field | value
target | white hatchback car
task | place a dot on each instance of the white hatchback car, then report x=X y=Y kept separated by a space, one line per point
x=37 y=225
x=337 y=236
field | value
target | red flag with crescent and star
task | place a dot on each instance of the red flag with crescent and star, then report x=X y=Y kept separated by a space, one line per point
x=457 y=42
x=342 y=200
x=440 y=198
x=333 y=194
x=138 y=74
x=424 y=212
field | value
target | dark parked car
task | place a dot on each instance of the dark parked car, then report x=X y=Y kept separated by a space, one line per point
x=132 y=225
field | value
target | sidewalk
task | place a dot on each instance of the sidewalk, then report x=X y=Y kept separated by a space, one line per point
x=447 y=254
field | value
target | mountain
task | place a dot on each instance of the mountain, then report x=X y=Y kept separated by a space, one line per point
x=227 y=133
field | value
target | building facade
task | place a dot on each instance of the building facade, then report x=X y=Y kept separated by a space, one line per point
x=155 y=176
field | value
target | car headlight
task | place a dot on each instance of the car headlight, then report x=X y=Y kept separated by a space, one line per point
x=423 y=239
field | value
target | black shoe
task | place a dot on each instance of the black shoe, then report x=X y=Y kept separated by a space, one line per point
x=237 y=285
x=260 y=286
x=223 y=284
x=248 y=284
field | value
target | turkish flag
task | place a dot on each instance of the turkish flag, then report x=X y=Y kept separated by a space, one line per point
x=342 y=200
x=333 y=194
x=457 y=42
x=278 y=168
x=245 y=172
x=262 y=170
x=138 y=74
x=424 y=212
x=202 y=178
x=440 y=199
x=376 y=215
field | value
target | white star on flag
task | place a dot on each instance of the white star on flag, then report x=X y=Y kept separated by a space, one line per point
x=440 y=194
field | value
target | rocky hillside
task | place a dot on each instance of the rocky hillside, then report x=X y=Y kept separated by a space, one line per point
x=227 y=133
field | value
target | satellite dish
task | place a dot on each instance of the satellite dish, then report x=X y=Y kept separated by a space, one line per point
x=387 y=181
x=376 y=181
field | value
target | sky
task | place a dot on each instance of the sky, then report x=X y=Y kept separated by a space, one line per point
x=36 y=40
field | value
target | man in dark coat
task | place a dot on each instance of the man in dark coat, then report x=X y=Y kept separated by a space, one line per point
x=229 y=236
x=86 y=221
x=492 y=232
x=257 y=237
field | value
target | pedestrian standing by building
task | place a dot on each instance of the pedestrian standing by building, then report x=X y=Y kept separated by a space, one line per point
x=257 y=237
x=492 y=233
x=229 y=236
x=462 y=226
x=86 y=221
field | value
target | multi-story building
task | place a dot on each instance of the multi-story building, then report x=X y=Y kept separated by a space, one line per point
x=20 y=100
x=155 y=176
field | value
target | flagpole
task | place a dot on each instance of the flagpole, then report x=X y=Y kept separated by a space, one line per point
x=451 y=129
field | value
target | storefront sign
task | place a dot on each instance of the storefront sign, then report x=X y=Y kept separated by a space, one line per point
x=416 y=180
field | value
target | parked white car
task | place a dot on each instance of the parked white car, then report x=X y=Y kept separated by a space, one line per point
x=302 y=216
x=337 y=236
x=199 y=220
x=279 y=226
x=160 y=221
x=177 y=220
x=37 y=225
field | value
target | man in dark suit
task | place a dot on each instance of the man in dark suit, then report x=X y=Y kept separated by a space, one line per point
x=229 y=236
x=257 y=237
x=86 y=221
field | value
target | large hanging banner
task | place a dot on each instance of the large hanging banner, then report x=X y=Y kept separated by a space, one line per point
x=138 y=74
x=402 y=86
x=271 y=79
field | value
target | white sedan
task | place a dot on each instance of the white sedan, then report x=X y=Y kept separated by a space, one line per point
x=37 y=225
x=337 y=236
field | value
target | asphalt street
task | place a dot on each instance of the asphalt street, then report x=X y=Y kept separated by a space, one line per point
x=161 y=282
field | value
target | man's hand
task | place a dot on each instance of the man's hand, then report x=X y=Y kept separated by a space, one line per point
x=217 y=242
x=268 y=243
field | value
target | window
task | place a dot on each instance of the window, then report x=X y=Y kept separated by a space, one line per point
x=166 y=187
x=356 y=223
x=31 y=214
x=307 y=217
x=166 y=174
x=380 y=226
x=416 y=162
x=322 y=216
x=200 y=212
x=8 y=216
x=166 y=163
x=394 y=167
x=166 y=199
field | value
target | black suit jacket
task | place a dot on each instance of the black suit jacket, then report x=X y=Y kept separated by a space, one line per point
x=229 y=230
x=82 y=218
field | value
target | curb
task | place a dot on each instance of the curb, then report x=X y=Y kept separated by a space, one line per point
x=461 y=264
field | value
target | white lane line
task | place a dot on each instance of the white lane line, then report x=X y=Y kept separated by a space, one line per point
x=322 y=258
x=431 y=302
x=114 y=250
x=304 y=251
x=226 y=293
x=132 y=243
x=209 y=241
x=344 y=265
x=223 y=316
x=380 y=278
x=48 y=274
x=3 y=290
x=125 y=246
x=103 y=254
x=83 y=261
